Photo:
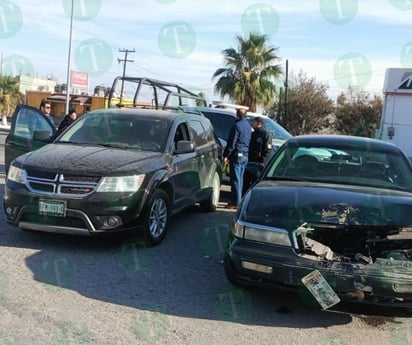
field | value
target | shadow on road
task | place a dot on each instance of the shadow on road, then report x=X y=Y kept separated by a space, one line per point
x=183 y=276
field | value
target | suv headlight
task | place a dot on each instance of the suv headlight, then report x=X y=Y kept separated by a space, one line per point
x=121 y=183
x=16 y=174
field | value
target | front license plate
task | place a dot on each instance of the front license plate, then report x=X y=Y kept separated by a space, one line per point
x=320 y=289
x=54 y=208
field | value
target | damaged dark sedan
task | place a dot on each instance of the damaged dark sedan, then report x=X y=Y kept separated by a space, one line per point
x=331 y=215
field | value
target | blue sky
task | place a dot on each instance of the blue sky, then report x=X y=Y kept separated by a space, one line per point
x=337 y=42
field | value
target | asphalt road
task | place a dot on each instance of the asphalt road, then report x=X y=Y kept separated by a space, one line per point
x=57 y=289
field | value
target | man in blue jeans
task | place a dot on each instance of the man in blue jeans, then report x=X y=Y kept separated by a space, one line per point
x=236 y=154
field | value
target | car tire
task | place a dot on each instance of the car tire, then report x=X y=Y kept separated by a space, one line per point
x=156 y=217
x=230 y=272
x=210 y=204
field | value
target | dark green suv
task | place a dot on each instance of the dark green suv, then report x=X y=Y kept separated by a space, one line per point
x=112 y=170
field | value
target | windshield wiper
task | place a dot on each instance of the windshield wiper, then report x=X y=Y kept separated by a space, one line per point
x=116 y=146
x=284 y=178
x=71 y=142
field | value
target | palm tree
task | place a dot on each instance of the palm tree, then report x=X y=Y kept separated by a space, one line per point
x=248 y=78
x=9 y=95
x=201 y=101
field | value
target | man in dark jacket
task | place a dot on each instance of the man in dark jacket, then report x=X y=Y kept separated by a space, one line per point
x=67 y=121
x=260 y=148
x=260 y=142
x=236 y=154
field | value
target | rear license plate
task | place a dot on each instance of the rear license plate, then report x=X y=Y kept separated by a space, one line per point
x=52 y=208
x=320 y=289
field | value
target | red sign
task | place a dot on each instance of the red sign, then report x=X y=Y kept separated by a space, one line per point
x=79 y=79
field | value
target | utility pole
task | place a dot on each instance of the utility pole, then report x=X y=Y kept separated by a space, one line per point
x=286 y=93
x=125 y=61
x=69 y=58
x=280 y=118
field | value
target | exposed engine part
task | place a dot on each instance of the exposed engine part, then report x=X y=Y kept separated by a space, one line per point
x=362 y=258
x=319 y=249
x=357 y=244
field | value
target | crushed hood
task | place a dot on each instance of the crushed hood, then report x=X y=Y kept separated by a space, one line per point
x=287 y=204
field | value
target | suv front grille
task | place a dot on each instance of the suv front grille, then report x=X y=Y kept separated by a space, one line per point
x=41 y=174
x=60 y=184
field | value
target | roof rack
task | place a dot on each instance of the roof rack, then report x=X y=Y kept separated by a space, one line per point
x=141 y=92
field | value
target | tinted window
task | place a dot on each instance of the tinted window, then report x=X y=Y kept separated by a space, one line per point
x=28 y=121
x=222 y=123
x=181 y=133
x=209 y=132
x=198 y=132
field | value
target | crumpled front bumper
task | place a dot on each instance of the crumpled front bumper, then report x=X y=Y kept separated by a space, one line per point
x=384 y=282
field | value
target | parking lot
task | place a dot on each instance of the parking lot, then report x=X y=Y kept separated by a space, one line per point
x=57 y=289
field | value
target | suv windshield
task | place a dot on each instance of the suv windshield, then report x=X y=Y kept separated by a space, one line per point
x=277 y=131
x=118 y=130
x=223 y=121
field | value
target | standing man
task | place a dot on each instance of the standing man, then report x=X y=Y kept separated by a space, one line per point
x=260 y=142
x=260 y=148
x=67 y=121
x=45 y=107
x=236 y=154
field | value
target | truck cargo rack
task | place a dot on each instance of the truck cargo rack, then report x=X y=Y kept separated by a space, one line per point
x=147 y=93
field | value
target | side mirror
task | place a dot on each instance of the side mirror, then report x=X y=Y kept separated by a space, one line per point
x=42 y=135
x=184 y=146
